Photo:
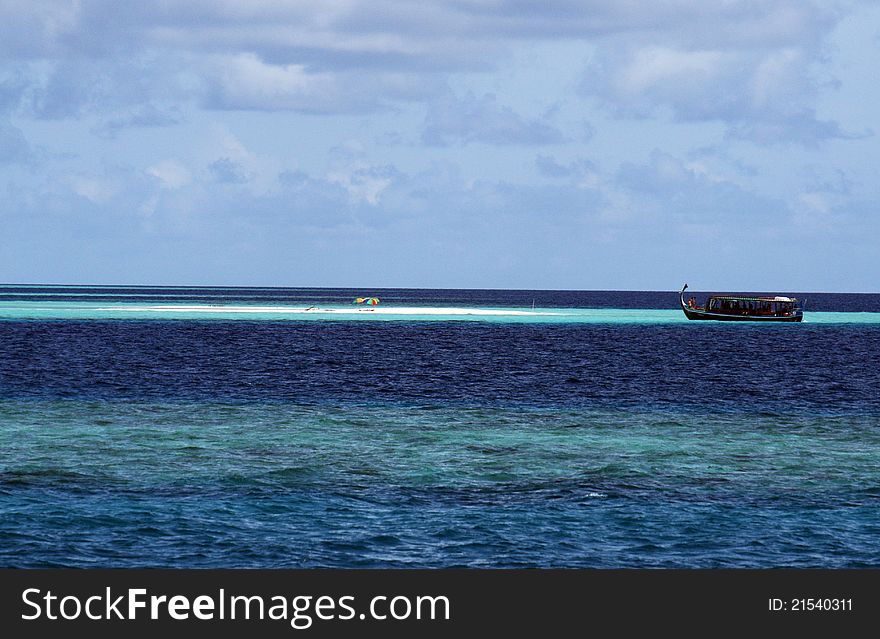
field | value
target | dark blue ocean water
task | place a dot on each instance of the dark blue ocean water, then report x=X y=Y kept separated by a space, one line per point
x=265 y=443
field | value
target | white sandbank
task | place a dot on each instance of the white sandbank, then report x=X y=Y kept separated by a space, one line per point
x=387 y=310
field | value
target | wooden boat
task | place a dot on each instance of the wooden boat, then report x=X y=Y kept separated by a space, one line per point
x=735 y=308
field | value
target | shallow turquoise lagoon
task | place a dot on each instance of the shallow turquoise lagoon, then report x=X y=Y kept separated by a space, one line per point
x=14 y=310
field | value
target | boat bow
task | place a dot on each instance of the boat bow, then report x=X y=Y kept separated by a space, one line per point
x=681 y=296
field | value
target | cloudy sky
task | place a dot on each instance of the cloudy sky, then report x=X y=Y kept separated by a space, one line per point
x=594 y=144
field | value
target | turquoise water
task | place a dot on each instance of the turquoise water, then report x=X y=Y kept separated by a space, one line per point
x=95 y=483
x=434 y=447
x=338 y=312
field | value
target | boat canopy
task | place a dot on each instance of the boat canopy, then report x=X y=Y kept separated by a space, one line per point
x=777 y=298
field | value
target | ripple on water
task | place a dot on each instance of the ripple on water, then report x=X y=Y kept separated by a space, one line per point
x=608 y=444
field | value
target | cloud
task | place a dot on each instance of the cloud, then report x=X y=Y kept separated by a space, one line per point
x=365 y=184
x=368 y=135
x=145 y=116
x=67 y=90
x=802 y=128
x=762 y=96
x=579 y=168
x=97 y=190
x=170 y=173
x=679 y=194
x=429 y=36
x=145 y=89
x=372 y=223
x=662 y=174
x=482 y=119
x=243 y=81
x=756 y=68
x=38 y=29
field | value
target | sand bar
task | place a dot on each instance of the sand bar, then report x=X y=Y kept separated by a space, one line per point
x=386 y=310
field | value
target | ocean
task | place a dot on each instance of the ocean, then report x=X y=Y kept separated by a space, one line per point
x=269 y=427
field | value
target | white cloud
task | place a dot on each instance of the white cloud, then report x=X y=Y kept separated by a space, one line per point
x=171 y=174
x=756 y=68
x=764 y=96
x=753 y=65
x=815 y=201
x=245 y=81
x=363 y=186
x=654 y=68
x=95 y=189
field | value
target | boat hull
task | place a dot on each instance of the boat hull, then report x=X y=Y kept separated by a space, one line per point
x=692 y=314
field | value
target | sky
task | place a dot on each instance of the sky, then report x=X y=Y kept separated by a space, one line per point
x=552 y=144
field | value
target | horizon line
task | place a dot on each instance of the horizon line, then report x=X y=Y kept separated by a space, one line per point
x=417 y=288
